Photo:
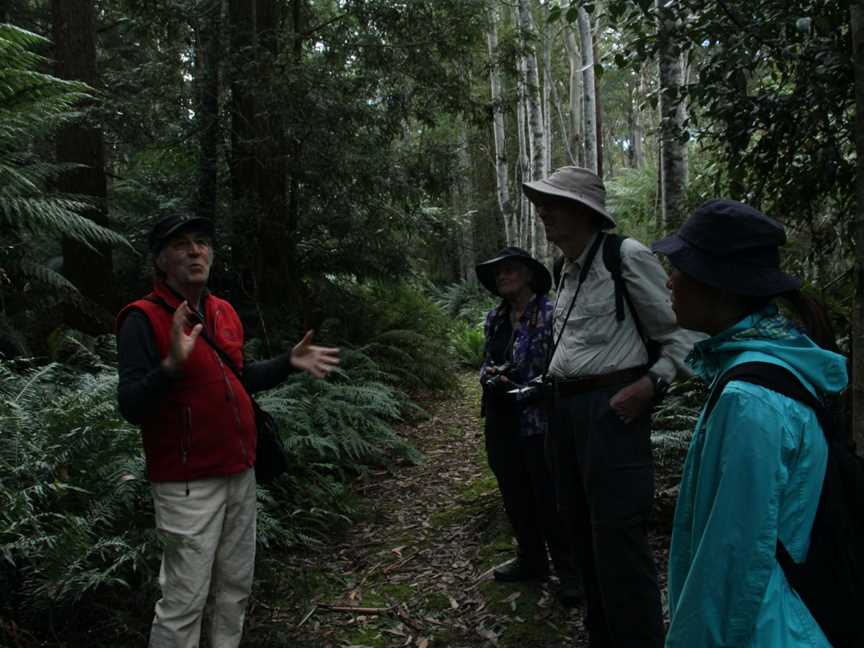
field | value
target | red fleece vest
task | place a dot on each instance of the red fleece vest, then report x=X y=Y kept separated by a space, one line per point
x=205 y=426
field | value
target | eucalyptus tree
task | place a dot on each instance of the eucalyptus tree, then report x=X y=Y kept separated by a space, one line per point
x=671 y=65
x=502 y=182
x=535 y=119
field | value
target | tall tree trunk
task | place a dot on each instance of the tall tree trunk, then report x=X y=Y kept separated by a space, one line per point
x=462 y=199
x=598 y=107
x=74 y=30
x=242 y=19
x=673 y=167
x=589 y=91
x=548 y=85
x=258 y=159
x=638 y=127
x=857 y=16
x=537 y=135
x=577 y=145
x=275 y=258
x=209 y=41
x=524 y=153
x=501 y=177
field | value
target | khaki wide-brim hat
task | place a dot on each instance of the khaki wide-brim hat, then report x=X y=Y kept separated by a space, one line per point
x=572 y=183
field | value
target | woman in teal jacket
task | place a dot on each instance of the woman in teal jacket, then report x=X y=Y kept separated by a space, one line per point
x=755 y=467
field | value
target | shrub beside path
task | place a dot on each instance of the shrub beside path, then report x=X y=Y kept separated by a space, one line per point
x=416 y=569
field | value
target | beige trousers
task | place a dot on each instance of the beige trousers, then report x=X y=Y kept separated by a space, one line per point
x=208 y=559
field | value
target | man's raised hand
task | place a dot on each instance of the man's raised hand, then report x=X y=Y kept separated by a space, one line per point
x=316 y=360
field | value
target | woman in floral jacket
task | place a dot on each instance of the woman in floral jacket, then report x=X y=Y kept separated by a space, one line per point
x=518 y=339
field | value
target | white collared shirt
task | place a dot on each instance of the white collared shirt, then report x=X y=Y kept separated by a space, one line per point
x=594 y=341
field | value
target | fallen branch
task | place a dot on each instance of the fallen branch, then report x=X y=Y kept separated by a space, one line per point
x=308 y=614
x=354 y=609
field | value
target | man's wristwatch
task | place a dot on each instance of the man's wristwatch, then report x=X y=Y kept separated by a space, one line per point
x=661 y=385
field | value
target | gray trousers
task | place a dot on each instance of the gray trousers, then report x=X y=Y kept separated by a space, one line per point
x=208 y=560
x=604 y=476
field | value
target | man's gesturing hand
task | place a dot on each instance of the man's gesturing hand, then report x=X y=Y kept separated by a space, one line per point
x=185 y=328
x=316 y=360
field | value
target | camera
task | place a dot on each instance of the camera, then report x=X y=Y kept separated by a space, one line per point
x=499 y=372
x=531 y=393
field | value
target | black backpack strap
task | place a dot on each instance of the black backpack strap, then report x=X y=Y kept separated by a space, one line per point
x=612 y=261
x=775 y=378
x=782 y=381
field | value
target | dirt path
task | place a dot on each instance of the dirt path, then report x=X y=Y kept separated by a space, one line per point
x=416 y=569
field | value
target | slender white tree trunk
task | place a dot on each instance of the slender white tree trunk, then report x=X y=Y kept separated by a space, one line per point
x=462 y=203
x=673 y=144
x=857 y=16
x=501 y=176
x=576 y=147
x=589 y=89
x=638 y=123
x=524 y=157
x=548 y=84
x=537 y=135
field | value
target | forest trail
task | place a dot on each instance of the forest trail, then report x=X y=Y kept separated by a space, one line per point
x=415 y=570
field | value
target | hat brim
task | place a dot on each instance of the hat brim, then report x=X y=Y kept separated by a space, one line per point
x=732 y=273
x=198 y=223
x=540 y=189
x=541 y=281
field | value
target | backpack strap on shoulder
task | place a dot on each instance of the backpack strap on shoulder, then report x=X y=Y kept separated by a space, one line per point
x=773 y=377
x=612 y=261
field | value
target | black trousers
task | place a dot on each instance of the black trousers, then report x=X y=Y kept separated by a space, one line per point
x=604 y=476
x=519 y=464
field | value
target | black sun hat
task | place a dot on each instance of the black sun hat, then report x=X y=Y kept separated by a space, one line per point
x=733 y=246
x=170 y=224
x=541 y=280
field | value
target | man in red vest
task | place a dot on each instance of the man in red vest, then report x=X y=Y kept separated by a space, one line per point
x=198 y=430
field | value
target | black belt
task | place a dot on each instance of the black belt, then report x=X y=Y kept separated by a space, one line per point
x=582 y=384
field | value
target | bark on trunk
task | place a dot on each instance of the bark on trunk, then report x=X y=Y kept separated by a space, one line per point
x=210 y=53
x=524 y=153
x=589 y=88
x=857 y=17
x=258 y=158
x=462 y=199
x=673 y=167
x=638 y=127
x=576 y=146
x=548 y=82
x=501 y=176
x=74 y=31
x=537 y=135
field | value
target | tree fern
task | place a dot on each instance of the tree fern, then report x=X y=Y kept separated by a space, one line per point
x=32 y=105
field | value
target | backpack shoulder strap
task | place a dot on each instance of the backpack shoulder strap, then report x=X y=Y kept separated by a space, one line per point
x=773 y=377
x=612 y=261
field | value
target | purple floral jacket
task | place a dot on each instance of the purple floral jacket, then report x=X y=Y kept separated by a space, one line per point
x=531 y=344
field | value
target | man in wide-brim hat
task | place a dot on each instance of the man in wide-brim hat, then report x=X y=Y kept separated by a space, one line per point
x=616 y=349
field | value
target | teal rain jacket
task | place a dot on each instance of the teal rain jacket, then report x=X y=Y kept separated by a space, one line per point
x=754 y=469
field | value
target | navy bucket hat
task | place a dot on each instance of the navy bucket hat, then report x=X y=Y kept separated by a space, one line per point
x=732 y=246
x=541 y=280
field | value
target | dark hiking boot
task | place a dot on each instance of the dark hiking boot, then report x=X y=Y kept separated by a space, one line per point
x=517 y=571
